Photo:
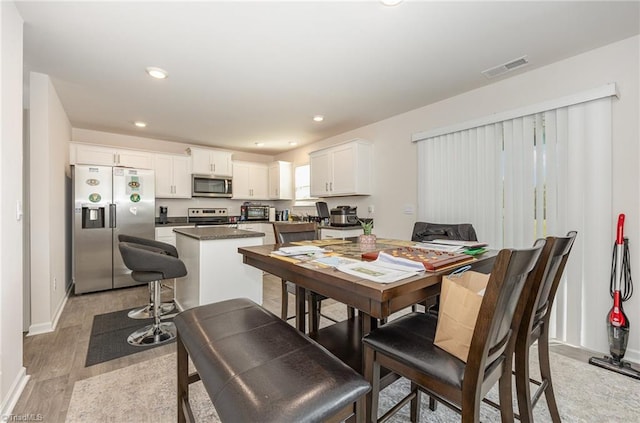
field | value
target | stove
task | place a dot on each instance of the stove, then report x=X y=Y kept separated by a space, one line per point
x=209 y=216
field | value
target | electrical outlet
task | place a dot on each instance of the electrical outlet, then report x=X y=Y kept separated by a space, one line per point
x=408 y=209
x=55 y=283
x=370 y=209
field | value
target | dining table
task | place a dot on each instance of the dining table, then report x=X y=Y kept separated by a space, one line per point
x=374 y=301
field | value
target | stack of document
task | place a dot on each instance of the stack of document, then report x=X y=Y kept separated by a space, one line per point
x=450 y=245
x=385 y=269
x=300 y=250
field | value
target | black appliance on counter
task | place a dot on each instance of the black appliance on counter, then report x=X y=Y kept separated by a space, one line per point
x=164 y=210
x=254 y=212
x=209 y=216
x=344 y=216
x=323 y=212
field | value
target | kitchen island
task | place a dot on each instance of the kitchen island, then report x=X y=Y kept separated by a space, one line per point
x=215 y=269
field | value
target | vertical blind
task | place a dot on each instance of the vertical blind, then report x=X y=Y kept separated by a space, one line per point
x=528 y=177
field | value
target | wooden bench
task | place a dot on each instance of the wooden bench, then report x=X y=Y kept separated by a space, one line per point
x=257 y=368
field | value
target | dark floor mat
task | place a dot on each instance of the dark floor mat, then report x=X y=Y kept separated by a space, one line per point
x=109 y=336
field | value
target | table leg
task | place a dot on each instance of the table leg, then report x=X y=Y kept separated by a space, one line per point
x=368 y=324
x=301 y=295
x=314 y=322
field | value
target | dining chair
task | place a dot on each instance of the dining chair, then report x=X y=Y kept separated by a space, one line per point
x=292 y=232
x=424 y=231
x=534 y=326
x=406 y=347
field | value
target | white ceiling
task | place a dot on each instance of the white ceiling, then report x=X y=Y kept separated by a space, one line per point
x=242 y=72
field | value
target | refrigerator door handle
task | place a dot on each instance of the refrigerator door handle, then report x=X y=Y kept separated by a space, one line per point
x=112 y=215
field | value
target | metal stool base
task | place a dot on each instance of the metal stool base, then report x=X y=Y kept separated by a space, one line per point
x=153 y=335
x=147 y=312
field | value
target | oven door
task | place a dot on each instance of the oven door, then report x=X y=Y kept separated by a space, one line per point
x=207 y=186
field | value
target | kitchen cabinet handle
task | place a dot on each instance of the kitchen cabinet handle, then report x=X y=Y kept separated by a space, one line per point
x=326 y=186
x=330 y=186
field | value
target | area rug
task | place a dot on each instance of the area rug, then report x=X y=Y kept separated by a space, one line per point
x=145 y=392
x=109 y=335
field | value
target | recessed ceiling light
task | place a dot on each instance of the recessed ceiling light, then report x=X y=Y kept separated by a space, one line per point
x=391 y=2
x=157 y=73
x=293 y=143
x=140 y=124
x=318 y=118
x=259 y=144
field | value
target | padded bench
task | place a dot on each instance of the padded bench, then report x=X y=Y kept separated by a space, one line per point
x=257 y=368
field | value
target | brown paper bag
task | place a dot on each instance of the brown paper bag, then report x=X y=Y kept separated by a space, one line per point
x=460 y=299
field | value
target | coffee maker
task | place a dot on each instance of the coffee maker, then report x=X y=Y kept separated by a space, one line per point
x=163 y=214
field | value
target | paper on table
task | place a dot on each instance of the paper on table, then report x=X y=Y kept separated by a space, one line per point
x=409 y=265
x=302 y=249
x=466 y=244
x=380 y=270
x=335 y=261
x=439 y=247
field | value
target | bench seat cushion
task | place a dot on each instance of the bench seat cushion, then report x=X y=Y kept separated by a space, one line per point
x=256 y=367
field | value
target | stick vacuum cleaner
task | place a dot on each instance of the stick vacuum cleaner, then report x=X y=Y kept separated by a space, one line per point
x=621 y=288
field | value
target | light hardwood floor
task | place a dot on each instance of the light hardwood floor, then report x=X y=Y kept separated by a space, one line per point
x=55 y=361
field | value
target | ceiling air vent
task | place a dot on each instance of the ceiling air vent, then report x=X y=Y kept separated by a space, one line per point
x=506 y=67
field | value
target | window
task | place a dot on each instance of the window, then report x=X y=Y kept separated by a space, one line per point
x=302 y=181
x=546 y=171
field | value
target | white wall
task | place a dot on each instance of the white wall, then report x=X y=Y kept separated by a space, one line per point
x=12 y=374
x=50 y=132
x=395 y=169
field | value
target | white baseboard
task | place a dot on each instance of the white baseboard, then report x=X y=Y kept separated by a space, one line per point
x=14 y=393
x=47 y=327
x=40 y=328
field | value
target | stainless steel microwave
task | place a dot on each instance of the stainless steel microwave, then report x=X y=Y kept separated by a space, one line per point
x=210 y=186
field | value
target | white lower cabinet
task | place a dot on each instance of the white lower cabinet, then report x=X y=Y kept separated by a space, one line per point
x=342 y=233
x=265 y=227
x=166 y=234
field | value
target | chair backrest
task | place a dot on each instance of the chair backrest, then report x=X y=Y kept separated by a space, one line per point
x=152 y=244
x=494 y=335
x=554 y=258
x=423 y=231
x=148 y=263
x=291 y=232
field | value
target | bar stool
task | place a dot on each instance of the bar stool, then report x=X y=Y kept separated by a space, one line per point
x=167 y=308
x=152 y=265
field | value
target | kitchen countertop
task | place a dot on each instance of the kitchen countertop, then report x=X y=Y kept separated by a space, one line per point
x=212 y=233
x=173 y=221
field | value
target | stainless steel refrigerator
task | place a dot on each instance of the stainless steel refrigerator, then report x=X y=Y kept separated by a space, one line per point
x=108 y=201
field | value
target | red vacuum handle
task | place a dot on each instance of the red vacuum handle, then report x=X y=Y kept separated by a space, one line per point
x=620 y=232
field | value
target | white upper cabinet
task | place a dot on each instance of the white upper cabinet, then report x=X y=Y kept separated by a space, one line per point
x=109 y=156
x=341 y=170
x=250 y=181
x=280 y=181
x=205 y=161
x=173 y=176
